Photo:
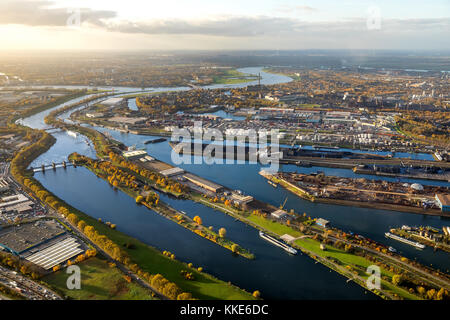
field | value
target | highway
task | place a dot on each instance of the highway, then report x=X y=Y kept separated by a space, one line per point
x=31 y=290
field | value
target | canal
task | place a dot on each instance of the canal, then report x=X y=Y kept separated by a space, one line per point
x=275 y=273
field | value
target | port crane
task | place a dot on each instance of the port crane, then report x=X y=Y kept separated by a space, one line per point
x=284 y=203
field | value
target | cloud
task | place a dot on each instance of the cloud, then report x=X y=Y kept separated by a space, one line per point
x=43 y=13
x=295 y=9
x=243 y=30
x=223 y=26
x=276 y=26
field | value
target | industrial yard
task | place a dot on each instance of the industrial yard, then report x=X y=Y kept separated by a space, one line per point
x=364 y=192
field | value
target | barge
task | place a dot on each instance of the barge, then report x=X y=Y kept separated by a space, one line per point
x=155 y=140
x=278 y=243
x=411 y=243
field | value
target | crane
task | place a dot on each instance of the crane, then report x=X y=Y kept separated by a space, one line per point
x=284 y=203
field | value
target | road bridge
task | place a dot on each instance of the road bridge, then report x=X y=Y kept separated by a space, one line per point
x=52 y=166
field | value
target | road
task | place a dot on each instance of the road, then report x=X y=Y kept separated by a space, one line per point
x=123 y=268
x=26 y=287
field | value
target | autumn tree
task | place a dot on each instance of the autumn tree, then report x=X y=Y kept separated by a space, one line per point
x=222 y=232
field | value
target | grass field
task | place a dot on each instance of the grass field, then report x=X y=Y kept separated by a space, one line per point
x=99 y=281
x=273 y=226
x=153 y=261
x=356 y=262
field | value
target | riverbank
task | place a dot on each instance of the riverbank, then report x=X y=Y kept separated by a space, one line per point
x=346 y=254
x=344 y=263
x=146 y=257
x=304 y=194
x=393 y=291
x=421 y=239
x=162 y=208
x=42 y=107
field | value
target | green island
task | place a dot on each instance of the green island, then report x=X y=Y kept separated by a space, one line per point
x=233 y=77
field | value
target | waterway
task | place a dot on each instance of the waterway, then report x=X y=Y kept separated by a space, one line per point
x=275 y=273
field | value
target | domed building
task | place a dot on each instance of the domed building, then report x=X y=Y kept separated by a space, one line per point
x=417 y=187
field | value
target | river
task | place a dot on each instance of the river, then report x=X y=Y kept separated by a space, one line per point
x=275 y=273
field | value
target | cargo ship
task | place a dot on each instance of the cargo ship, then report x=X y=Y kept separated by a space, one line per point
x=278 y=243
x=411 y=243
x=155 y=140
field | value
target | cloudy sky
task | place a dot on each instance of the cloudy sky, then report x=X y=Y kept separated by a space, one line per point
x=225 y=24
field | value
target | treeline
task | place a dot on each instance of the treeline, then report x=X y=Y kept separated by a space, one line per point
x=25 y=156
x=158 y=282
x=111 y=248
x=18 y=169
x=166 y=287
x=51 y=118
x=21 y=265
x=433 y=127
x=156 y=178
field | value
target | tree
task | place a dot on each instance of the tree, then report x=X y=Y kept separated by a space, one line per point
x=421 y=290
x=431 y=293
x=184 y=296
x=440 y=294
x=139 y=199
x=222 y=232
x=81 y=225
x=397 y=279
x=256 y=293
x=198 y=220
x=234 y=248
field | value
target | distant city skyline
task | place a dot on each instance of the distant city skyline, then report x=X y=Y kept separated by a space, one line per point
x=224 y=25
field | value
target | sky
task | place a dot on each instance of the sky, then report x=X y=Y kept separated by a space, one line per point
x=224 y=25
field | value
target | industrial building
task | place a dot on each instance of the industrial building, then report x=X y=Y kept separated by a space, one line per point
x=56 y=253
x=322 y=223
x=279 y=214
x=443 y=201
x=12 y=200
x=146 y=158
x=4 y=186
x=111 y=102
x=241 y=199
x=135 y=154
x=128 y=120
x=205 y=184
x=28 y=237
x=171 y=172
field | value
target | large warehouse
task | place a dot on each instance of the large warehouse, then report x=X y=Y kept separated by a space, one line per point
x=205 y=184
